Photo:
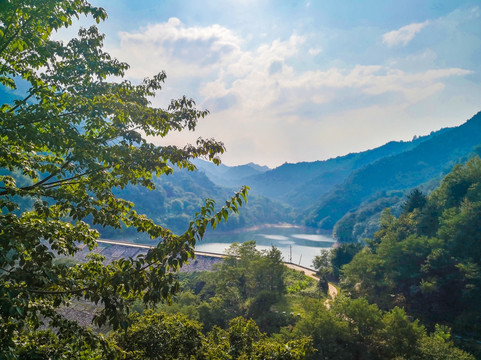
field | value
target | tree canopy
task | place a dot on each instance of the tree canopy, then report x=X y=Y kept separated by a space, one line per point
x=428 y=259
x=68 y=141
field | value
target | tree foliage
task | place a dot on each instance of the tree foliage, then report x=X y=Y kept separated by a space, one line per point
x=247 y=283
x=428 y=259
x=355 y=329
x=74 y=137
x=161 y=336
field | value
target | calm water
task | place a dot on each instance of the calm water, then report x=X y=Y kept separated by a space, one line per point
x=303 y=243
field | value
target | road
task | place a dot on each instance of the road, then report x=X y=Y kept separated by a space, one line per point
x=308 y=272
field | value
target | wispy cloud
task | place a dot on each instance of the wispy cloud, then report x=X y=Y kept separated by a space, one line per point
x=403 y=35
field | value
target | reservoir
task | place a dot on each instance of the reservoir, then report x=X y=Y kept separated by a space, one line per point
x=298 y=245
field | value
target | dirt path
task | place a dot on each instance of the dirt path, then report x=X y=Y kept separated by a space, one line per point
x=332 y=294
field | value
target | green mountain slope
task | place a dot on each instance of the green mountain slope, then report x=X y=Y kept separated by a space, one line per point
x=354 y=188
x=428 y=160
x=302 y=184
x=179 y=196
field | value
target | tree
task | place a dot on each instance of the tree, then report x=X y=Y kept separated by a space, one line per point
x=438 y=346
x=243 y=340
x=415 y=200
x=66 y=145
x=400 y=336
x=322 y=263
x=161 y=336
x=343 y=255
x=252 y=271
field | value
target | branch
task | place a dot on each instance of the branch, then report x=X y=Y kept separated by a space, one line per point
x=41 y=182
x=21 y=102
x=9 y=271
x=60 y=292
x=60 y=182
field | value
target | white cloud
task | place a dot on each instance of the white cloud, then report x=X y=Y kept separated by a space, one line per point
x=314 y=51
x=403 y=35
x=182 y=51
x=262 y=79
x=262 y=104
x=475 y=12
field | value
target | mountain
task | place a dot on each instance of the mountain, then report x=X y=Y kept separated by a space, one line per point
x=179 y=196
x=229 y=176
x=363 y=222
x=346 y=193
x=303 y=184
x=428 y=160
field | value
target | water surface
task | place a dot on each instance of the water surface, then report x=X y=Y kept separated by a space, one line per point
x=298 y=245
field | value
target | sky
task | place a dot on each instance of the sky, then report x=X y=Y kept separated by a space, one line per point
x=291 y=81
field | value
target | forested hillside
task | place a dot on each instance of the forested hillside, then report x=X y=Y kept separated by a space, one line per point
x=427 y=260
x=180 y=195
x=428 y=160
x=347 y=194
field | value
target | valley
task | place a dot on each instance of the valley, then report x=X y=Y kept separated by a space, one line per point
x=123 y=236
x=341 y=198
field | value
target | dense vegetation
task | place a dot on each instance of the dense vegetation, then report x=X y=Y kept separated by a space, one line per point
x=247 y=284
x=425 y=261
x=423 y=264
x=290 y=308
x=252 y=307
x=177 y=197
x=428 y=259
x=69 y=141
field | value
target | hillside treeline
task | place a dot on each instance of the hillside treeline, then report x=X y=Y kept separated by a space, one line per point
x=428 y=260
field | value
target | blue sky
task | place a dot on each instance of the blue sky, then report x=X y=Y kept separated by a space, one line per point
x=290 y=81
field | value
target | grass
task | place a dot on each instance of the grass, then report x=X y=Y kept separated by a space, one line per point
x=302 y=294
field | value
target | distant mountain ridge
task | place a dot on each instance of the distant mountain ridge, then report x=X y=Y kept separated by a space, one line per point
x=303 y=184
x=429 y=159
x=324 y=191
x=229 y=176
